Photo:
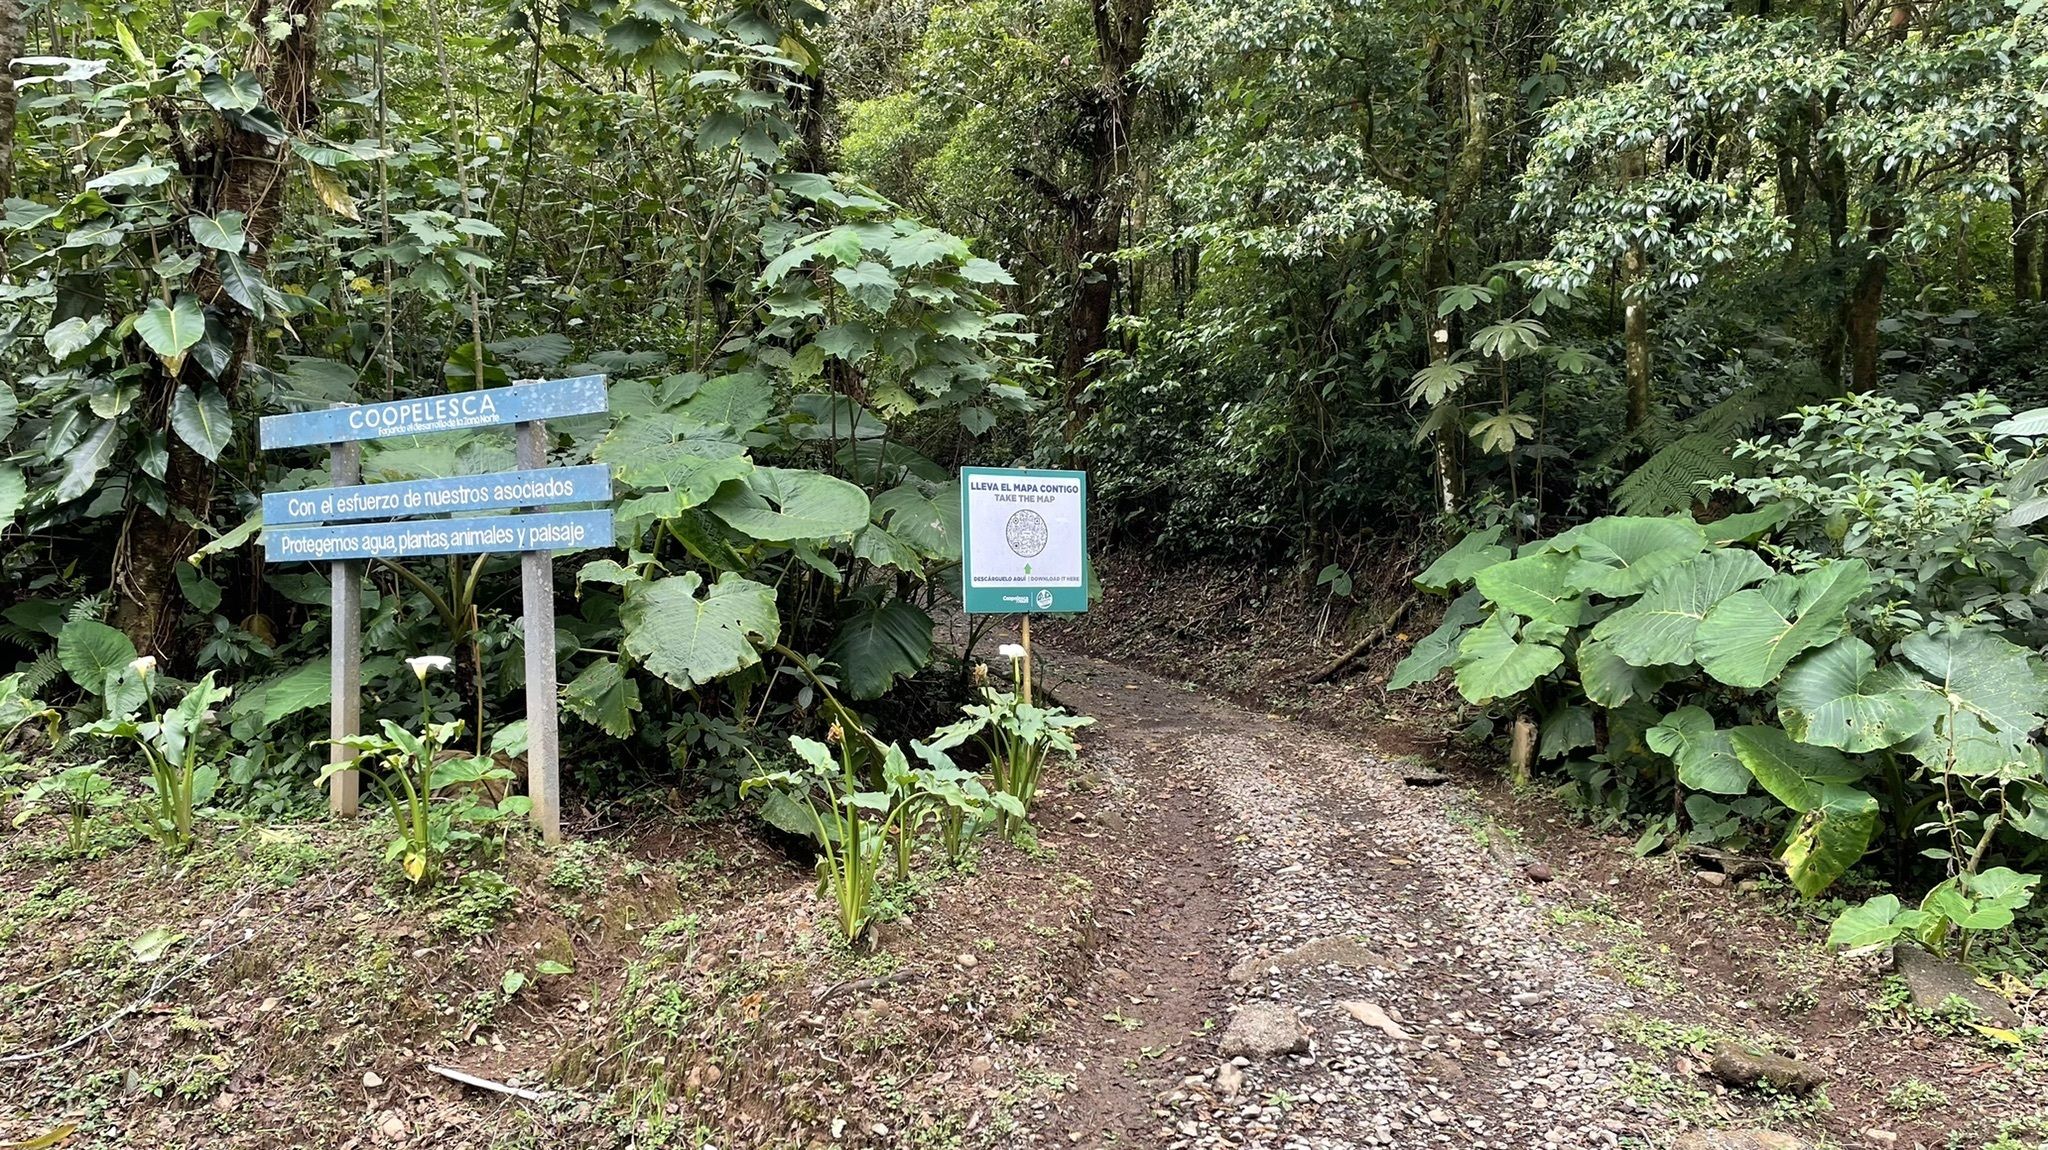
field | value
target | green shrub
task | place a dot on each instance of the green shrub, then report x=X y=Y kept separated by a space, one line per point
x=1860 y=646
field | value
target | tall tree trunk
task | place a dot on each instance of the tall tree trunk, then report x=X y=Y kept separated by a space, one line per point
x=12 y=32
x=1636 y=315
x=243 y=172
x=1864 y=307
x=2026 y=273
x=1120 y=27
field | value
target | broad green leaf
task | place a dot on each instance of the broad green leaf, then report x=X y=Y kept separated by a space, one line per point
x=1475 y=552
x=1439 y=649
x=868 y=282
x=84 y=462
x=1747 y=526
x=1877 y=923
x=201 y=419
x=875 y=645
x=74 y=335
x=1493 y=662
x=1534 y=586
x=605 y=697
x=780 y=504
x=666 y=450
x=1660 y=627
x=1705 y=757
x=171 y=331
x=1620 y=554
x=740 y=401
x=1830 y=839
x=1564 y=731
x=1794 y=773
x=2002 y=886
x=2002 y=685
x=242 y=92
x=850 y=341
x=1991 y=696
x=203 y=593
x=13 y=493
x=308 y=685
x=689 y=640
x=1748 y=639
x=1839 y=697
x=244 y=284
x=928 y=522
x=225 y=232
x=97 y=658
x=879 y=463
x=146 y=173
x=1611 y=680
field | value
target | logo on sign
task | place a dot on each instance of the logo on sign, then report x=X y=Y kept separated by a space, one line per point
x=1044 y=598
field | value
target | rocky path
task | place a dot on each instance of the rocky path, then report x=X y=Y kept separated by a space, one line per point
x=1302 y=949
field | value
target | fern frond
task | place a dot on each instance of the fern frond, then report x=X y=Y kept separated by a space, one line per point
x=41 y=672
x=1669 y=480
x=88 y=607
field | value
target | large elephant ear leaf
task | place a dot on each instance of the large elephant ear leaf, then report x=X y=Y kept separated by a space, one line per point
x=1494 y=662
x=1535 y=586
x=1830 y=839
x=1660 y=628
x=779 y=504
x=98 y=658
x=1474 y=553
x=1837 y=819
x=1439 y=648
x=929 y=522
x=1747 y=526
x=1619 y=555
x=1839 y=697
x=689 y=640
x=1749 y=638
x=1704 y=756
x=1992 y=698
x=1793 y=772
x=1610 y=680
x=876 y=644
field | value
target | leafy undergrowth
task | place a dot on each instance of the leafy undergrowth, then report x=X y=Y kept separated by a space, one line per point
x=675 y=984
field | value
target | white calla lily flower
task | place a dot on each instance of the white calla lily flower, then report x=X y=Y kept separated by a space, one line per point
x=1011 y=651
x=143 y=665
x=424 y=665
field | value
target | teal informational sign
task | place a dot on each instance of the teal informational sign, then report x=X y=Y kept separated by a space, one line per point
x=1024 y=541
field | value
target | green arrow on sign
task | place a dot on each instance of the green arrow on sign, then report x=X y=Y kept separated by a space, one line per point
x=1027 y=568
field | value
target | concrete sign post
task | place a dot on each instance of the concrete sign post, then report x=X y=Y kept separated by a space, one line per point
x=1023 y=546
x=351 y=522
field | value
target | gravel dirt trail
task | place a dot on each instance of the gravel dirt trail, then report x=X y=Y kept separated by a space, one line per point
x=1373 y=966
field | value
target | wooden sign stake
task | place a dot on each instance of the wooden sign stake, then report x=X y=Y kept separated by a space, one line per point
x=537 y=596
x=345 y=469
x=1024 y=641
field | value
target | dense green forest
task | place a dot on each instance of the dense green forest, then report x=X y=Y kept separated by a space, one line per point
x=1299 y=285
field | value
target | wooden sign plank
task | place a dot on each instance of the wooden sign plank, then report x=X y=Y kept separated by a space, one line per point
x=457 y=411
x=498 y=491
x=546 y=531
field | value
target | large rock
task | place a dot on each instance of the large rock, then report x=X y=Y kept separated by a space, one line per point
x=1739 y=1140
x=1934 y=981
x=1262 y=1030
x=1741 y=1067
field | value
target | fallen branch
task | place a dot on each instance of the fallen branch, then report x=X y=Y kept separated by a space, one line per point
x=468 y=1079
x=890 y=979
x=1373 y=636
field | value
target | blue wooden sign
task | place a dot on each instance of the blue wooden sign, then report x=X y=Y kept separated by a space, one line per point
x=546 y=531
x=457 y=411
x=537 y=487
